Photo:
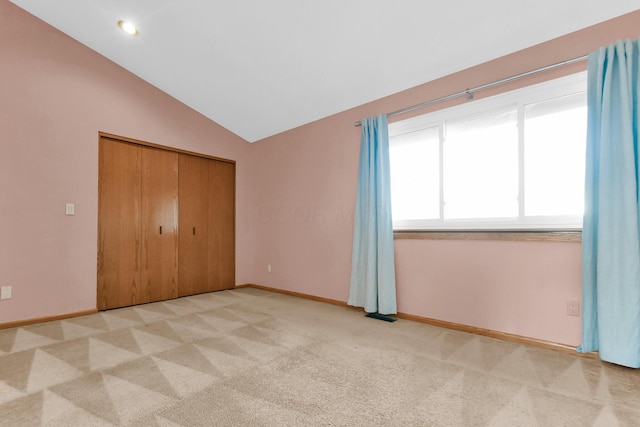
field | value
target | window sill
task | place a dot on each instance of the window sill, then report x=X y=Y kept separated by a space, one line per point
x=524 y=236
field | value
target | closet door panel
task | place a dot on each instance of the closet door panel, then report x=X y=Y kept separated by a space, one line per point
x=159 y=267
x=221 y=225
x=119 y=222
x=193 y=227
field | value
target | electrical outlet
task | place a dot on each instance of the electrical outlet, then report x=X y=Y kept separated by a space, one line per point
x=6 y=292
x=573 y=308
x=268 y=268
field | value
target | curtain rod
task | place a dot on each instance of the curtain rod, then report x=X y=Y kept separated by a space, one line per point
x=469 y=92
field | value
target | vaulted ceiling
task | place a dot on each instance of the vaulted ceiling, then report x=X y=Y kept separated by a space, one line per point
x=259 y=68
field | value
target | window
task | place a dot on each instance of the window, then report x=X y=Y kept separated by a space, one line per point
x=512 y=161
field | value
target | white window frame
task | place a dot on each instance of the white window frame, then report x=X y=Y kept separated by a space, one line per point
x=556 y=88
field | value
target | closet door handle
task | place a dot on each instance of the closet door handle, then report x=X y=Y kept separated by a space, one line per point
x=160 y=229
x=194 y=231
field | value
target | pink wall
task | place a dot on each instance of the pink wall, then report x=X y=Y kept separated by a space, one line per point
x=55 y=96
x=515 y=287
x=304 y=190
x=295 y=191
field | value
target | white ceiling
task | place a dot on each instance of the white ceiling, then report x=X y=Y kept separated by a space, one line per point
x=259 y=68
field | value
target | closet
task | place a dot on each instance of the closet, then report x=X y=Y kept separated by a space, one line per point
x=166 y=223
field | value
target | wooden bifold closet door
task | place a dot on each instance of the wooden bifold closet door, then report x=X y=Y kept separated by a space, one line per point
x=119 y=248
x=166 y=224
x=221 y=225
x=194 y=230
x=207 y=216
x=159 y=225
x=137 y=224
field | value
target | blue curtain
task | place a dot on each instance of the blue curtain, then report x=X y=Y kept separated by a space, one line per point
x=373 y=281
x=611 y=230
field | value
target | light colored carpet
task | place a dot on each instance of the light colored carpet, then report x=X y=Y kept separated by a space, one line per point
x=248 y=357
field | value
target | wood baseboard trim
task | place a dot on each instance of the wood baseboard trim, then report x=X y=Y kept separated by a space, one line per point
x=296 y=294
x=504 y=336
x=26 y=322
x=517 y=339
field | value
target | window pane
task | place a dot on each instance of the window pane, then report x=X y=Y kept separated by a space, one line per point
x=555 y=139
x=514 y=160
x=481 y=167
x=415 y=176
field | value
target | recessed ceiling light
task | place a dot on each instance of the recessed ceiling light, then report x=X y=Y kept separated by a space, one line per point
x=128 y=27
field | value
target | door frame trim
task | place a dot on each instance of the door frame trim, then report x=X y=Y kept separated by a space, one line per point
x=125 y=139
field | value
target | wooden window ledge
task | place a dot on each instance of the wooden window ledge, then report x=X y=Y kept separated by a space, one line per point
x=525 y=236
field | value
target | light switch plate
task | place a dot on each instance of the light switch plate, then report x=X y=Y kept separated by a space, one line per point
x=6 y=292
x=70 y=209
